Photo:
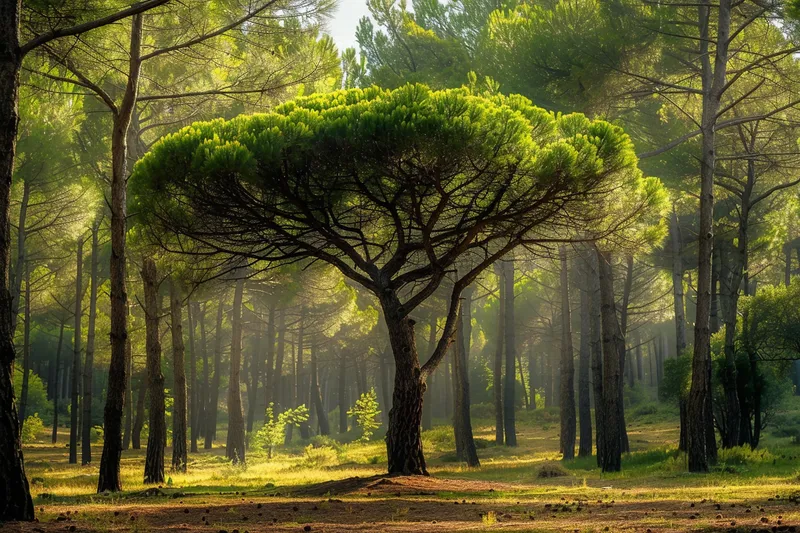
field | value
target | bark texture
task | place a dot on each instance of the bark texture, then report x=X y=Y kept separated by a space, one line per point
x=179 y=418
x=157 y=436
x=235 y=448
x=568 y=422
x=510 y=382
x=76 y=355
x=88 y=367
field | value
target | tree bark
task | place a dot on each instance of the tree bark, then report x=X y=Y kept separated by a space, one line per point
x=157 y=436
x=109 y=479
x=568 y=422
x=613 y=350
x=497 y=370
x=126 y=437
x=532 y=373
x=462 y=421
x=235 y=448
x=212 y=393
x=279 y=356
x=342 y=392
x=510 y=382
x=180 y=458
x=427 y=406
x=302 y=380
x=138 y=421
x=269 y=393
x=21 y=253
x=88 y=367
x=252 y=382
x=76 y=356
x=677 y=284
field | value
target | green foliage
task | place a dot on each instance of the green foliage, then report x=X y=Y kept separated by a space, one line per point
x=366 y=413
x=677 y=378
x=319 y=457
x=31 y=429
x=37 y=393
x=273 y=432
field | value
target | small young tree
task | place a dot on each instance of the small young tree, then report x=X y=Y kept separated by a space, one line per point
x=366 y=413
x=273 y=432
x=393 y=188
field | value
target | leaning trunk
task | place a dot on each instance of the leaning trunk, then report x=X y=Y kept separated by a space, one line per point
x=157 y=436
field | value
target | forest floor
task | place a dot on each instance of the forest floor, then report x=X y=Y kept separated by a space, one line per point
x=340 y=488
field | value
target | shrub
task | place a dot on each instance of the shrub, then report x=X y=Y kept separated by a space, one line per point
x=548 y=470
x=322 y=457
x=31 y=428
x=323 y=441
x=366 y=412
x=273 y=431
x=96 y=434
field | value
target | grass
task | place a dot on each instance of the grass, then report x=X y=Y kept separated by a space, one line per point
x=515 y=488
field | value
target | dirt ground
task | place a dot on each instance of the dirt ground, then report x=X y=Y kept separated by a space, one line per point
x=416 y=504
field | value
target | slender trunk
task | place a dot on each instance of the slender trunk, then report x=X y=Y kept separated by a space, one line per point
x=269 y=393
x=57 y=391
x=21 y=253
x=126 y=438
x=204 y=423
x=300 y=374
x=568 y=421
x=585 y=363
x=88 y=367
x=212 y=394
x=462 y=422
x=179 y=456
x=138 y=421
x=613 y=350
x=157 y=435
x=679 y=308
x=701 y=444
x=76 y=356
x=26 y=349
x=497 y=370
x=252 y=382
x=194 y=396
x=510 y=383
x=322 y=415
x=342 y=392
x=532 y=373
x=714 y=311
x=109 y=479
x=427 y=406
x=279 y=355
x=639 y=358
x=235 y=449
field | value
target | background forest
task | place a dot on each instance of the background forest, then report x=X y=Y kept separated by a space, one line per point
x=649 y=325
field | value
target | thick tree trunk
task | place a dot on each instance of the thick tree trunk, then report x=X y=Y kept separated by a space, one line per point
x=613 y=350
x=179 y=456
x=157 y=435
x=585 y=363
x=462 y=421
x=109 y=479
x=567 y=392
x=322 y=415
x=88 y=367
x=26 y=350
x=57 y=391
x=235 y=448
x=76 y=356
x=194 y=396
x=510 y=382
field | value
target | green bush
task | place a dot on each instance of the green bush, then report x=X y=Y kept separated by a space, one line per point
x=37 y=394
x=322 y=457
x=31 y=428
x=366 y=412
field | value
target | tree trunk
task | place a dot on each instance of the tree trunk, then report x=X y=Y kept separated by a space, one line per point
x=585 y=363
x=677 y=285
x=194 y=396
x=26 y=349
x=497 y=370
x=16 y=295
x=180 y=458
x=427 y=406
x=279 y=356
x=532 y=374
x=109 y=479
x=342 y=392
x=613 y=350
x=639 y=359
x=701 y=449
x=138 y=421
x=322 y=415
x=212 y=394
x=269 y=393
x=252 y=382
x=88 y=367
x=235 y=448
x=303 y=383
x=57 y=391
x=76 y=356
x=157 y=436
x=568 y=421
x=462 y=421
x=510 y=383
x=126 y=438
x=15 y=496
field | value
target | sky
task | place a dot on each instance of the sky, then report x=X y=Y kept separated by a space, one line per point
x=342 y=27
